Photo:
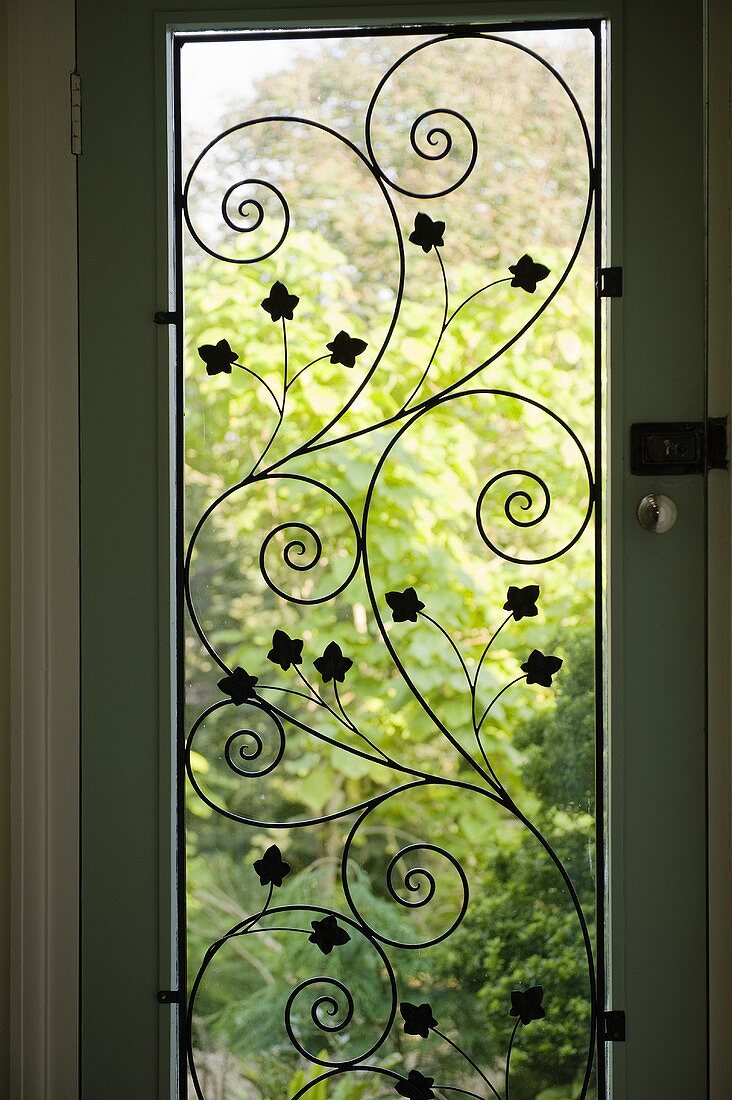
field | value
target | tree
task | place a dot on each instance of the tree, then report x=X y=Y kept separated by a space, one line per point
x=500 y=952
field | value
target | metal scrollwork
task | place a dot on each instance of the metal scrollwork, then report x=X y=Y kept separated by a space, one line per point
x=304 y=548
x=251 y=730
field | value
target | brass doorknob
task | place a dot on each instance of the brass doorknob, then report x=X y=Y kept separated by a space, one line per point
x=657 y=513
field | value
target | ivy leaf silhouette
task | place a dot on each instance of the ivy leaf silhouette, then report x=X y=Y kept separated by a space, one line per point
x=333 y=665
x=280 y=303
x=272 y=868
x=539 y=668
x=526 y=1004
x=404 y=605
x=426 y=232
x=522 y=601
x=526 y=273
x=238 y=685
x=345 y=348
x=327 y=934
x=418 y=1019
x=285 y=651
x=218 y=357
x=416 y=1086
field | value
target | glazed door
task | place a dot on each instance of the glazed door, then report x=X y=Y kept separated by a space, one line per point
x=385 y=616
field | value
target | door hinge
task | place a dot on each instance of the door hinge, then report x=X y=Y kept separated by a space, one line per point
x=679 y=447
x=612 y=1027
x=75 y=90
x=609 y=282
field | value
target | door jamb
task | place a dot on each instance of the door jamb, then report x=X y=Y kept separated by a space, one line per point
x=719 y=531
x=44 y=754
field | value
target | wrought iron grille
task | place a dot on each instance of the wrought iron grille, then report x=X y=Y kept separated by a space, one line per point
x=293 y=514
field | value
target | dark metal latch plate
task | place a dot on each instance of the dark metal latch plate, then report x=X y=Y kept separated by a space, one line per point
x=678 y=447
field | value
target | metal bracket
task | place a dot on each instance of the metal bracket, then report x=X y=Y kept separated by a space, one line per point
x=75 y=100
x=166 y=317
x=610 y=282
x=612 y=1027
x=168 y=996
x=678 y=447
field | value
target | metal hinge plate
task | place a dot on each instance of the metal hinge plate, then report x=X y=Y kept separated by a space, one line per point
x=679 y=447
x=613 y=1027
x=610 y=282
x=75 y=92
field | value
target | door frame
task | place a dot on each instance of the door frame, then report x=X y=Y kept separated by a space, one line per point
x=42 y=754
x=719 y=520
x=44 y=775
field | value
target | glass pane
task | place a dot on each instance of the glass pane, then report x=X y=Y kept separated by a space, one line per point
x=389 y=381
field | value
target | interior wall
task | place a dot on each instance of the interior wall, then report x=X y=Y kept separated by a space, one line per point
x=4 y=560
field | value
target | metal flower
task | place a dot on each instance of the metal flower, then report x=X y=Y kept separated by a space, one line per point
x=404 y=605
x=526 y=1004
x=272 y=868
x=333 y=665
x=539 y=668
x=285 y=651
x=426 y=232
x=418 y=1019
x=416 y=1086
x=280 y=302
x=345 y=348
x=218 y=357
x=522 y=601
x=526 y=273
x=238 y=685
x=327 y=934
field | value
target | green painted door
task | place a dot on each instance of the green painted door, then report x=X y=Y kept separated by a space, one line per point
x=654 y=592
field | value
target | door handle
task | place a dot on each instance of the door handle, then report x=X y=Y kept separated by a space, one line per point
x=657 y=513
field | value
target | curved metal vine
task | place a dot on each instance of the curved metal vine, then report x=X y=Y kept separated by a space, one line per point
x=247 y=205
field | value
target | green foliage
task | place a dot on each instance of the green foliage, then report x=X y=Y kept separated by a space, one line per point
x=514 y=951
x=303 y=1077
x=560 y=745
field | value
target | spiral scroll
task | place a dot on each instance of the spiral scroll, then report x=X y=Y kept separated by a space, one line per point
x=247 y=753
x=438 y=140
x=419 y=881
x=331 y=1016
x=526 y=500
x=246 y=206
x=302 y=552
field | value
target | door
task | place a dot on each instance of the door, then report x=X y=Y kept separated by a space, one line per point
x=134 y=524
